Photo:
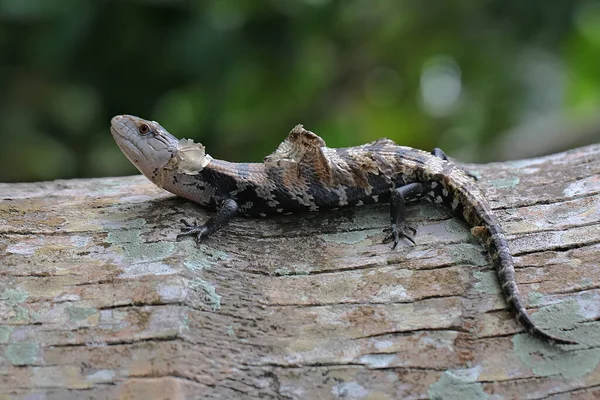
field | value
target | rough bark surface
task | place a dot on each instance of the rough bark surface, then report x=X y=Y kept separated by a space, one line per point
x=98 y=300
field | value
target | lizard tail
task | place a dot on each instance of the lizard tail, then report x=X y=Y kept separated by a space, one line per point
x=497 y=246
x=477 y=212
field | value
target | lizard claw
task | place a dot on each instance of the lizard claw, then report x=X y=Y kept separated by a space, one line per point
x=399 y=231
x=200 y=231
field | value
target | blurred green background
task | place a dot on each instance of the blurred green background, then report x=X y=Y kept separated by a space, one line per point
x=484 y=80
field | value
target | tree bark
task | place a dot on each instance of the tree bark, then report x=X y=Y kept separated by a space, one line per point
x=98 y=299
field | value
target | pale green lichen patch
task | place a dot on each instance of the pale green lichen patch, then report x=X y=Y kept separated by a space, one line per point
x=563 y=212
x=128 y=237
x=505 y=183
x=80 y=313
x=201 y=257
x=545 y=359
x=564 y=319
x=589 y=304
x=587 y=282
x=144 y=258
x=458 y=385
x=148 y=251
x=487 y=282
x=214 y=254
x=20 y=315
x=535 y=299
x=80 y=241
x=379 y=360
x=5 y=331
x=293 y=270
x=210 y=292
x=27 y=248
x=470 y=254
x=563 y=315
x=140 y=269
x=350 y=237
x=185 y=322
x=573 y=361
x=349 y=390
x=283 y=271
x=583 y=186
x=101 y=376
x=13 y=296
x=24 y=353
x=127 y=224
x=124 y=236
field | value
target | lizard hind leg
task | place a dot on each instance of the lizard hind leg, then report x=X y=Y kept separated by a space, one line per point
x=227 y=210
x=398 y=227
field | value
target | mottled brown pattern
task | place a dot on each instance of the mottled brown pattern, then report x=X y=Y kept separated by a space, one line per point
x=303 y=174
x=448 y=184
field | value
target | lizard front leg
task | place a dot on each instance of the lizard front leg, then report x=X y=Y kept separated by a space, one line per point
x=226 y=211
x=398 y=227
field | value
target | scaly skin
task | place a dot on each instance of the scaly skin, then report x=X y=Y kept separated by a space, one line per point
x=304 y=174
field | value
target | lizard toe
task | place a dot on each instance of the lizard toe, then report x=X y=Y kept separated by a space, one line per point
x=193 y=230
x=396 y=232
x=188 y=226
x=200 y=236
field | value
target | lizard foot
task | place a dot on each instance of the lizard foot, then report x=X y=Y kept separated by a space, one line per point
x=399 y=231
x=200 y=231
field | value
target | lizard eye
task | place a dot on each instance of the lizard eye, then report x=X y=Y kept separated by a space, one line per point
x=143 y=129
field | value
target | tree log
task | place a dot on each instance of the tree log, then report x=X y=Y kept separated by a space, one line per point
x=98 y=299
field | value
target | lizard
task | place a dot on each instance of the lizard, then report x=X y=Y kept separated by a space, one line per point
x=304 y=174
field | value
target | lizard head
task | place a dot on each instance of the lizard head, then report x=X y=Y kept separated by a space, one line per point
x=154 y=151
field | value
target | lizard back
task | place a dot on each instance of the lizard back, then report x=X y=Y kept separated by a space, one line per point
x=304 y=174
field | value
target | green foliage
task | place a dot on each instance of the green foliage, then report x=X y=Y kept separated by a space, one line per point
x=238 y=75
